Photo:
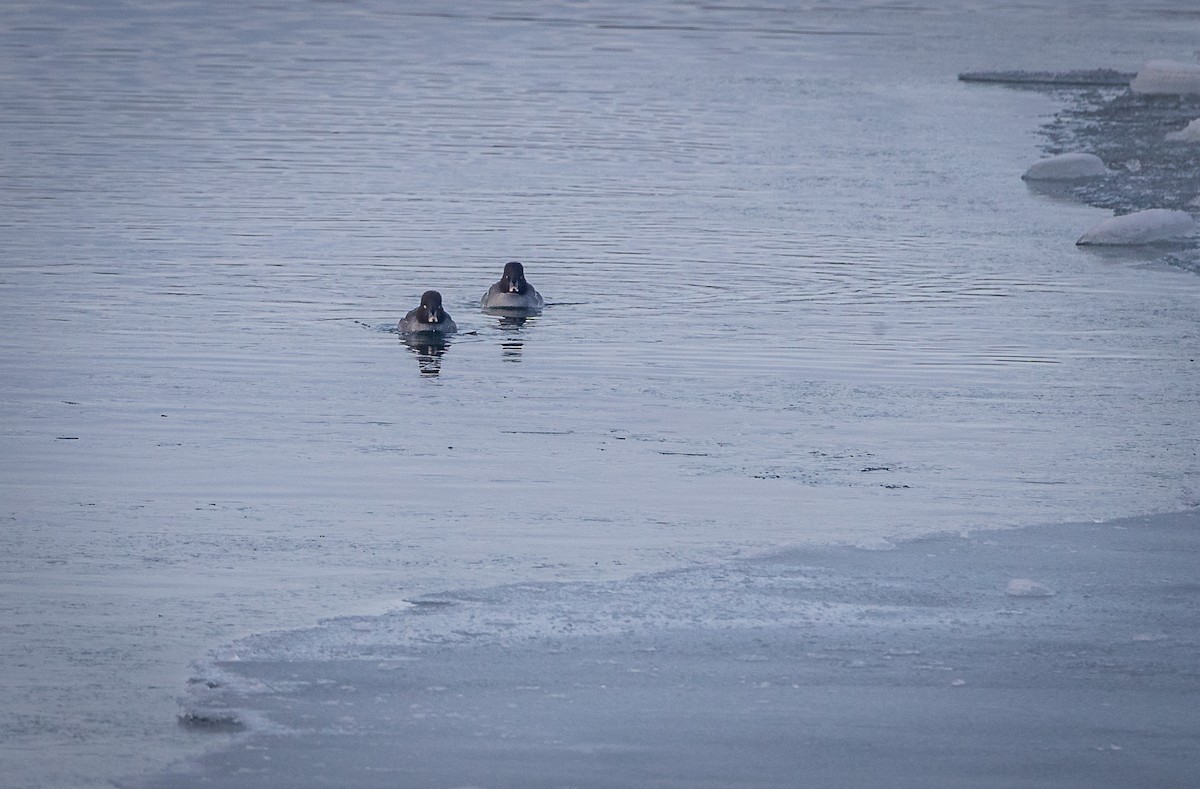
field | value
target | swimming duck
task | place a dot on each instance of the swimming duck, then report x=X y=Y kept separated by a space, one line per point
x=513 y=291
x=429 y=317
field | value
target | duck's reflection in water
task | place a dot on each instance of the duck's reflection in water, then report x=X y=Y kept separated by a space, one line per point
x=511 y=323
x=429 y=349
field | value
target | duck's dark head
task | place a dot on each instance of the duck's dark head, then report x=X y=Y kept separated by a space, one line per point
x=431 y=310
x=513 y=280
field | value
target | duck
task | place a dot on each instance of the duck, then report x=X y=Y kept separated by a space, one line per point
x=429 y=318
x=513 y=291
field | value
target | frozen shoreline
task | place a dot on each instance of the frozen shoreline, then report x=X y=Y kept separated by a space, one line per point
x=1134 y=135
x=826 y=666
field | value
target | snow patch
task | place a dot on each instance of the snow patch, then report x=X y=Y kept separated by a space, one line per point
x=1066 y=167
x=1167 y=77
x=1141 y=227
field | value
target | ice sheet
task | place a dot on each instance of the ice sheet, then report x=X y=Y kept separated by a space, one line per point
x=943 y=663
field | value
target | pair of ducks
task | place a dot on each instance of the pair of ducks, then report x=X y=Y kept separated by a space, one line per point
x=512 y=292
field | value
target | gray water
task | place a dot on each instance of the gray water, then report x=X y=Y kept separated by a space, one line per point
x=797 y=293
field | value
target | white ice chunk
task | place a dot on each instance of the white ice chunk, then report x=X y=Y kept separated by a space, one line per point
x=1066 y=167
x=1025 y=587
x=1167 y=76
x=1142 y=227
x=1189 y=133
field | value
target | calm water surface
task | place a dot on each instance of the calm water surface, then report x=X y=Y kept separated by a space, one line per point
x=796 y=292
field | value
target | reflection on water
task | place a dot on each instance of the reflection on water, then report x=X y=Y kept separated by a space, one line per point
x=510 y=350
x=1055 y=190
x=429 y=349
x=511 y=322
